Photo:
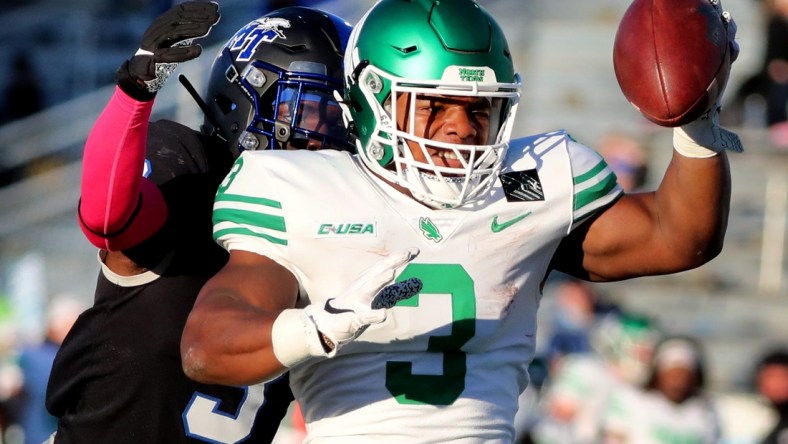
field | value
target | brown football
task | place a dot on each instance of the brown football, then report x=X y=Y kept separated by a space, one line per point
x=671 y=58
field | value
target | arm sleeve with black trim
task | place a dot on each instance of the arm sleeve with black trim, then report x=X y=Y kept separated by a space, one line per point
x=119 y=208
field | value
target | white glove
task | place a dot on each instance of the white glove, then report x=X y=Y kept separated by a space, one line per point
x=704 y=137
x=321 y=330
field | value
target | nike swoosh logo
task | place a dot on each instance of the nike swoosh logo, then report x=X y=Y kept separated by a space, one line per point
x=496 y=227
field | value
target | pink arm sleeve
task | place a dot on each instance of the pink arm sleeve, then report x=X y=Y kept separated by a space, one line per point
x=118 y=207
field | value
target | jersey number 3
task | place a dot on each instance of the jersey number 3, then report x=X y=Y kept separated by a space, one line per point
x=202 y=418
x=444 y=389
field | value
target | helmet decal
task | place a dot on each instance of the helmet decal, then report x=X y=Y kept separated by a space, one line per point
x=262 y=30
x=481 y=74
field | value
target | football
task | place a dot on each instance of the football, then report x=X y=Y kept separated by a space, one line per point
x=671 y=58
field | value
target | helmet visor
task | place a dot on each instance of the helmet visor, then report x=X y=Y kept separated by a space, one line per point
x=300 y=112
x=313 y=115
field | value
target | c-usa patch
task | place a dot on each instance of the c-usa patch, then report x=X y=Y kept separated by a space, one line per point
x=522 y=186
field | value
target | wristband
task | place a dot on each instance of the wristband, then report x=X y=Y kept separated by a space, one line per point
x=704 y=138
x=294 y=338
x=126 y=82
x=687 y=147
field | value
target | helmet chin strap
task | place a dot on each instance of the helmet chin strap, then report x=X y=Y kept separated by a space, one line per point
x=426 y=187
x=440 y=191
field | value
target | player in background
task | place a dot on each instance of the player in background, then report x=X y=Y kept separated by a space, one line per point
x=671 y=405
x=147 y=194
x=438 y=193
x=574 y=398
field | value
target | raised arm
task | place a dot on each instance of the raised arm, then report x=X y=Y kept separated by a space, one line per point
x=679 y=226
x=118 y=207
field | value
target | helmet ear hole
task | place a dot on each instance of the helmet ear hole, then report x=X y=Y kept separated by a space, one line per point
x=225 y=104
x=356 y=106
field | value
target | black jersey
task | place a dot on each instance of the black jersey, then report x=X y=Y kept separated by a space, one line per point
x=117 y=378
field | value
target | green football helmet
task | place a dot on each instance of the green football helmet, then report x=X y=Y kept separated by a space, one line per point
x=428 y=48
x=626 y=341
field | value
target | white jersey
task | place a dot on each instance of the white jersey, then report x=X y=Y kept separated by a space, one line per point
x=584 y=382
x=648 y=417
x=449 y=363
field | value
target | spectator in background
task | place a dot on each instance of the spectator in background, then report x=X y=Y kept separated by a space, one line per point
x=570 y=324
x=10 y=374
x=762 y=99
x=671 y=407
x=627 y=158
x=36 y=362
x=22 y=96
x=572 y=320
x=777 y=70
x=771 y=381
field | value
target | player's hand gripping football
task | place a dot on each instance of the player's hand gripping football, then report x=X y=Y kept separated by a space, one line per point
x=325 y=328
x=705 y=137
x=167 y=42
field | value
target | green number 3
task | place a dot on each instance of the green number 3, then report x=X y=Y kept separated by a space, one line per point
x=230 y=176
x=409 y=388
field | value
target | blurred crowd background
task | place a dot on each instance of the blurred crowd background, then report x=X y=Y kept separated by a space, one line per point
x=706 y=346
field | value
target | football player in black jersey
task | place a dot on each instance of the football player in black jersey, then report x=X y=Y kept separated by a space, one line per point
x=147 y=195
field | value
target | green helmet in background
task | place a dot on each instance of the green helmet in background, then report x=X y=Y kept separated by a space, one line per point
x=429 y=47
x=626 y=341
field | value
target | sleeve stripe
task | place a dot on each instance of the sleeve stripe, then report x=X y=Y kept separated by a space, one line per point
x=244 y=217
x=595 y=192
x=589 y=174
x=246 y=199
x=245 y=231
x=592 y=209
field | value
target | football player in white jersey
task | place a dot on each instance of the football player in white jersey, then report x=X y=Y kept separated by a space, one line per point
x=439 y=205
x=671 y=406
